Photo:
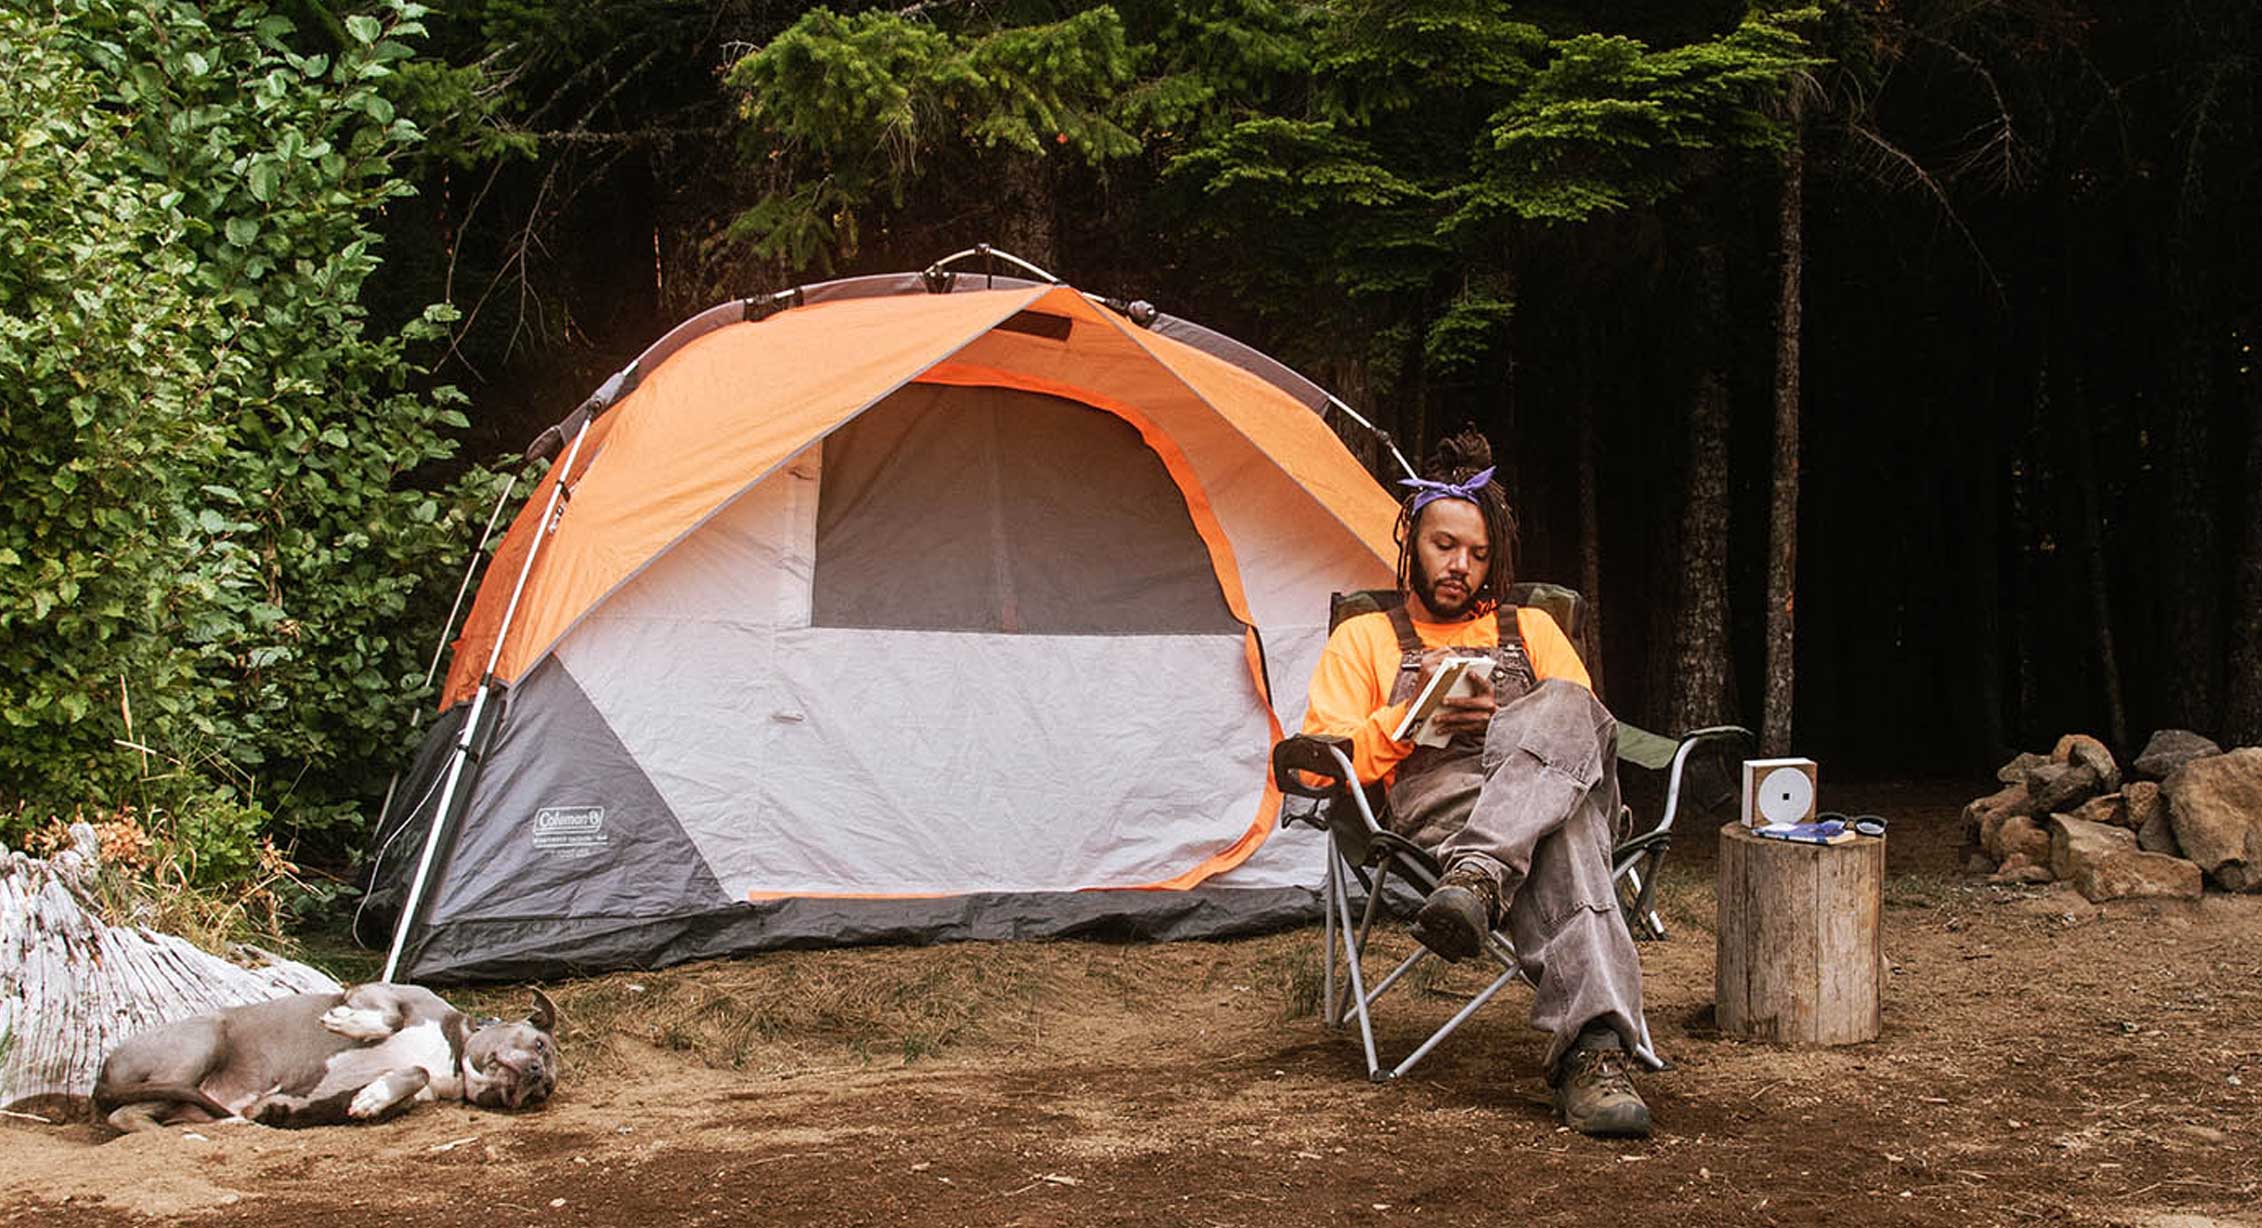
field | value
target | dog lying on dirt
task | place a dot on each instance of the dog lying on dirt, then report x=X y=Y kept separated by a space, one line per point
x=324 y=1059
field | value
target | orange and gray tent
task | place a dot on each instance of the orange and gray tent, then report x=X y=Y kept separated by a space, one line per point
x=902 y=608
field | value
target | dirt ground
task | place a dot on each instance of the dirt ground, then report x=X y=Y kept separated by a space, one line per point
x=2043 y=1060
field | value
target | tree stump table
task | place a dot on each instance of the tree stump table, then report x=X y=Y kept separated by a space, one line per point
x=1801 y=956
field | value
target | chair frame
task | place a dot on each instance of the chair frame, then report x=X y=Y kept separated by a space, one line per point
x=1356 y=839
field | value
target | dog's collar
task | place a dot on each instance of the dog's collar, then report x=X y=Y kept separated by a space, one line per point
x=484 y=1021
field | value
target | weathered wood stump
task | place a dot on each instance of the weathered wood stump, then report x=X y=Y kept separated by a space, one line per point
x=1801 y=959
x=72 y=986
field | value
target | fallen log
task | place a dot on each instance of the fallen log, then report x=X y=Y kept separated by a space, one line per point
x=72 y=985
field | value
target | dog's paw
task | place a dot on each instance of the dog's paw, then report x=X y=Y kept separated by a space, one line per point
x=371 y=1100
x=269 y=1110
x=361 y=1025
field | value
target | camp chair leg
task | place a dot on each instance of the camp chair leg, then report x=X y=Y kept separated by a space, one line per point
x=1367 y=918
x=1644 y=918
x=1373 y=909
x=1459 y=1017
x=1635 y=872
x=1345 y=936
x=1327 y=941
x=1375 y=995
x=1335 y=1008
x=1645 y=1051
x=1645 y=885
x=1355 y=940
x=1501 y=950
x=1342 y=906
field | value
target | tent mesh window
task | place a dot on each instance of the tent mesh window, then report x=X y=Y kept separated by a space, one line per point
x=988 y=509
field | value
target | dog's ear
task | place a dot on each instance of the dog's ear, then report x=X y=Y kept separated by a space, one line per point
x=545 y=1014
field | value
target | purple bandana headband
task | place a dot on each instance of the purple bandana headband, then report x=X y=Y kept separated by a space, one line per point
x=1426 y=492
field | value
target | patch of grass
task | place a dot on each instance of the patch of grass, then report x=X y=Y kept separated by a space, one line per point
x=166 y=870
x=1431 y=978
x=214 y=918
x=920 y=1045
x=1686 y=898
x=1387 y=947
x=334 y=952
x=1293 y=977
x=788 y=1006
x=1929 y=891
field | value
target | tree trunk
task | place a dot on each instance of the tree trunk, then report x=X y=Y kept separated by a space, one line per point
x=1783 y=512
x=1590 y=509
x=1701 y=664
x=1983 y=576
x=1412 y=431
x=2061 y=325
x=1346 y=377
x=2242 y=723
x=2034 y=528
x=2193 y=649
x=2100 y=579
x=1025 y=223
x=1507 y=455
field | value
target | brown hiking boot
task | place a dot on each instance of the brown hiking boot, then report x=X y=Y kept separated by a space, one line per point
x=1594 y=1096
x=1458 y=915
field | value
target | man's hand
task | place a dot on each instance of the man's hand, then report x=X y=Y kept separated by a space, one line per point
x=1460 y=714
x=1430 y=661
x=1467 y=714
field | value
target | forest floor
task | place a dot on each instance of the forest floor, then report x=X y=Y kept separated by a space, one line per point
x=2043 y=1060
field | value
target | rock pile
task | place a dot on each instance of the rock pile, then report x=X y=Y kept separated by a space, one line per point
x=2184 y=815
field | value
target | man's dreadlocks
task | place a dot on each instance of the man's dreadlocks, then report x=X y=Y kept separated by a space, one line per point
x=1457 y=458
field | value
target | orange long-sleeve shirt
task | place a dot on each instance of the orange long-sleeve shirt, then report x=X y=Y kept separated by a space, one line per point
x=1350 y=693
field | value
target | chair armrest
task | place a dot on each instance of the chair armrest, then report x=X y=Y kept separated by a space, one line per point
x=1720 y=732
x=1689 y=742
x=1327 y=757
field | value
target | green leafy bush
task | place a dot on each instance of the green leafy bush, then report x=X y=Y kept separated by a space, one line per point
x=209 y=543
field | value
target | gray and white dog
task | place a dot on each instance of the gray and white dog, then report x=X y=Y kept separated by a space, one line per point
x=322 y=1059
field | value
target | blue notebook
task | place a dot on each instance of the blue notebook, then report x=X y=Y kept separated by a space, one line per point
x=1831 y=831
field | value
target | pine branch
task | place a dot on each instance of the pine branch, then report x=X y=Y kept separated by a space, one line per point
x=1932 y=186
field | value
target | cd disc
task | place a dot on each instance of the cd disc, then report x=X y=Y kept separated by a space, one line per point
x=1786 y=796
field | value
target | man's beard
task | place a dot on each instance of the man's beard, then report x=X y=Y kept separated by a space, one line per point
x=1426 y=589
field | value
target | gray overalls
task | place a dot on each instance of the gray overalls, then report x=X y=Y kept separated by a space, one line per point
x=1533 y=804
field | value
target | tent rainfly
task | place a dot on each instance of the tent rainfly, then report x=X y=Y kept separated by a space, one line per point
x=901 y=608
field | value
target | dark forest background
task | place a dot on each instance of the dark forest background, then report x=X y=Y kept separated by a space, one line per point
x=1882 y=368
x=2028 y=437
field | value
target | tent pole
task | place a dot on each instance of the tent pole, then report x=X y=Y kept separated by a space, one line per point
x=472 y=720
x=1378 y=432
x=456 y=762
x=987 y=252
x=470 y=568
x=439 y=650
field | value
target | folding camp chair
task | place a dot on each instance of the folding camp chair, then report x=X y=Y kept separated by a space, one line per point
x=1362 y=849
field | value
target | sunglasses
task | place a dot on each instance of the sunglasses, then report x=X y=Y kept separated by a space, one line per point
x=1859 y=824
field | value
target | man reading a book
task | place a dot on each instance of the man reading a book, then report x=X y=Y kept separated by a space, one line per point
x=1519 y=803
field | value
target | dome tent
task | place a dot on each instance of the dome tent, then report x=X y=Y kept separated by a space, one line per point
x=909 y=607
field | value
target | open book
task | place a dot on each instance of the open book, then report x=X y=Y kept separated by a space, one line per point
x=1807 y=833
x=1455 y=678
